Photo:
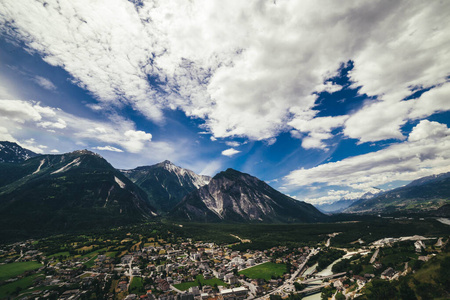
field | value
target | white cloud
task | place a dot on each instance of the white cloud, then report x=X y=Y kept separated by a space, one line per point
x=230 y=152
x=428 y=130
x=232 y=143
x=108 y=148
x=211 y=168
x=45 y=83
x=17 y=116
x=33 y=146
x=59 y=124
x=54 y=151
x=243 y=66
x=424 y=153
x=378 y=121
x=5 y=135
x=317 y=129
x=383 y=119
x=19 y=111
x=335 y=195
x=328 y=87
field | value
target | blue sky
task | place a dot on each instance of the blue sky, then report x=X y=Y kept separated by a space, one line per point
x=323 y=100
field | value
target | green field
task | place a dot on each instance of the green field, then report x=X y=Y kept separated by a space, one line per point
x=21 y=284
x=17 y=268
x=111 y=254
x=90 y=263
x=64 y=253
x=265 y=271
x=137 y=286
x=186 y=285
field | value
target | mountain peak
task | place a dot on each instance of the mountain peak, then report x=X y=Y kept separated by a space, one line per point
x=165 y=183
x=85 y=152
x=231 y=174
x=232 y=196
x=12 y=152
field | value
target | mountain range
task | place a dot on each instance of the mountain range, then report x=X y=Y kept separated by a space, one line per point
x=79 y=190
x=76 y=190
x=424 y=194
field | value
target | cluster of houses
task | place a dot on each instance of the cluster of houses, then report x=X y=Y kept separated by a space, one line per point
x=164 y=266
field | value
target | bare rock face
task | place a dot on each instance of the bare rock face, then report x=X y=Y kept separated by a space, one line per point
x=232 y=196
x=165 y=183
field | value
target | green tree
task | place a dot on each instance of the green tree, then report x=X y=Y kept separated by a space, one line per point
x=382 y=289
x=298 y=286
x=406 y=292
x=340 y=296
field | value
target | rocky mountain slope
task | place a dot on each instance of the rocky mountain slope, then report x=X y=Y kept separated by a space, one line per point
x=232 y=196
x=71 y=191
x=165 y=183
x=11 y=152
x=424 y=194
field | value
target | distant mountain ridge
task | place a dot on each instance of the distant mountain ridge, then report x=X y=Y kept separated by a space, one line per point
x=11 y=152
x=165 y=183
x=334 y=207
x=232 y=196
x=424 y=194
x=341 y=205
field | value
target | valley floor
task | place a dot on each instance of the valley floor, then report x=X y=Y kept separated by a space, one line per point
x=165 y=261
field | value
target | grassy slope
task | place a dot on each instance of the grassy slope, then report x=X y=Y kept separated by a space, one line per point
x=23 y=283
x=17 y=268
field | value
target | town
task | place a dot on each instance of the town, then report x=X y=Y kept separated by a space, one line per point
x=159 y=265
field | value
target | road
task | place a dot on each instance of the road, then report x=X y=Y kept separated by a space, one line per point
x=130 y=271
x=288 y=284
x=251 y=287
x=374 y=256
x=323 y=277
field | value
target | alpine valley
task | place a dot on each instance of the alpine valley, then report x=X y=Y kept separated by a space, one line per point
x=80 y=190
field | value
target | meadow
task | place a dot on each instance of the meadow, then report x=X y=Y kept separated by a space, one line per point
x=265 y=271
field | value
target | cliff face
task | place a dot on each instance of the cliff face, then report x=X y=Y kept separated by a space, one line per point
x=232 y=196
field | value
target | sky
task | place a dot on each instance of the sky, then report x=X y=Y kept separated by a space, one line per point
x=324 y=100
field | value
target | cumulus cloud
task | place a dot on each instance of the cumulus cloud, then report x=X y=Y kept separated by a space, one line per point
x=18 y=115
x=108 y=148
x=424 y=153
x=230 y=152
x=316 y=129
x=248 y=68
x=383 y=119
x=232 y=143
